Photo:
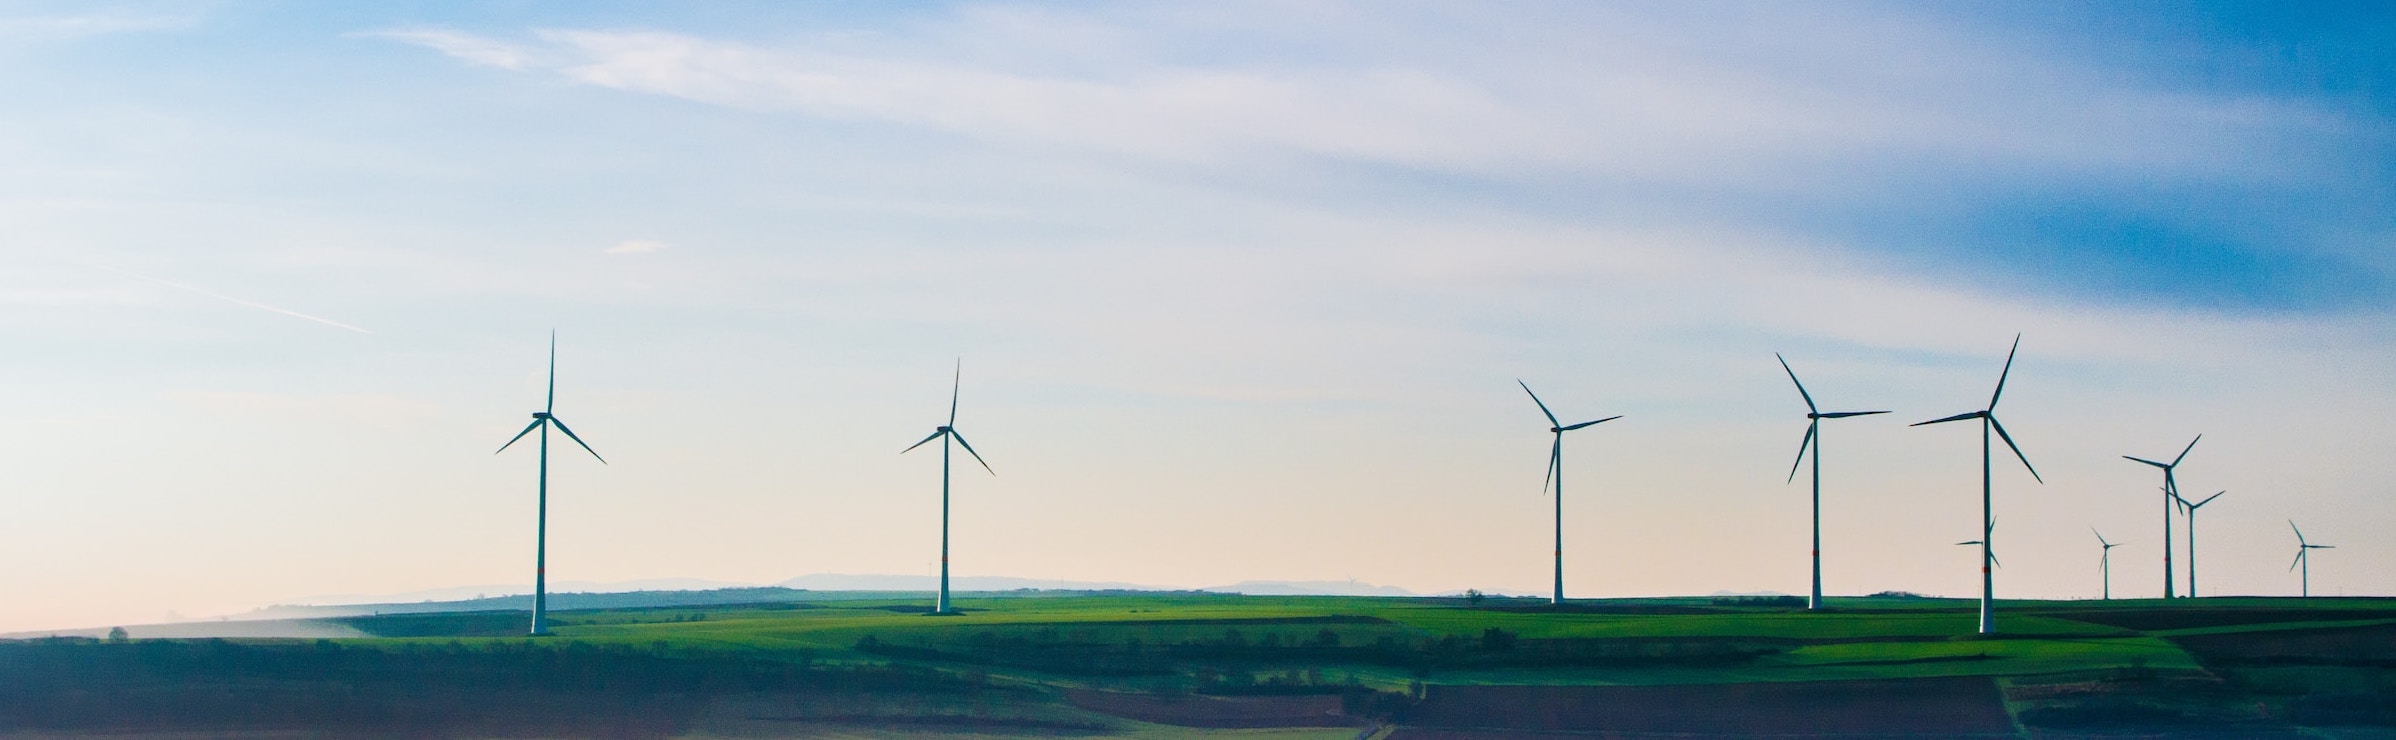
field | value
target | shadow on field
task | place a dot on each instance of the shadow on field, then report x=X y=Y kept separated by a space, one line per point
x=1943 y=707
x=494 y=689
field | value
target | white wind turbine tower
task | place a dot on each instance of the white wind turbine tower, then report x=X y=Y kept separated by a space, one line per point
x=2171 y=494
x=1988 y=423
x=543 y=420
x=2304 y=558
x=1813 y=434
x=945 y=433
x=1555 y=474
x=2105 y=563
x=2189 y=510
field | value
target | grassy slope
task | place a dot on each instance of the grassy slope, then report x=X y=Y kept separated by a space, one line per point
x=1865 y=639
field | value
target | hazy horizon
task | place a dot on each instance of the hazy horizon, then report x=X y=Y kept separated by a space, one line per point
x=1241 y=292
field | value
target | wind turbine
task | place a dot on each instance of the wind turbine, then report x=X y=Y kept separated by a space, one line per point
x=1988 y=422
x=543 y=420
x=1813 y=430
x=2171 y=493
x=1992 y=557
x=1992 y=554
x=1555 y=474
x=2105 y=563
x=2303 y=557
x=2190 y=512
x=944 y=433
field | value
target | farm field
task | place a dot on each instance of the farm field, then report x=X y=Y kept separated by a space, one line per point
x=1182 y=664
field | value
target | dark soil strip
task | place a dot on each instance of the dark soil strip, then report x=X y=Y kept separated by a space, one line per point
x=2370 y=645
x=941 y=720
x=1951 y=706
x=2194 y=617
x=1215 y=711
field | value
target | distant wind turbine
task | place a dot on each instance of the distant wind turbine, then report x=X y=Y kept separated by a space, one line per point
x=1555 y=474
x=543 y=420
x=2105 y=563
x=2171 y=494
x=1992 y=556
x=1988 y=422
x=944 y=433
x=1813 y=431
x=1983 y=541
x=2304 y=558
x=2190 y=512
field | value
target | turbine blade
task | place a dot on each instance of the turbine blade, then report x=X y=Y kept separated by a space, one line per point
x=2208 y=499
x=2323 y=547
x=1968 y=542
x=935 y=435
x=1592 y=423
x=511 y=442
x=955 y=384
x=1555 y=459
x=1992 y=398
x=2299 y=533
x=2299 y=559
x=1957 y=417
x=1809 y=398
x=977 y=457
x=1992 y=559
x=1802 y=446
x=561 y=426
x=2100 y=537
x=2017 y=451
x=552 y=405
x=1845 y=414
x=2144 y=460
x=2175 y=462
x=1551 y=416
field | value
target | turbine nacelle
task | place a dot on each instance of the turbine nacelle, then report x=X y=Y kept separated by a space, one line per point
x=540 y=414
x=1555 y=452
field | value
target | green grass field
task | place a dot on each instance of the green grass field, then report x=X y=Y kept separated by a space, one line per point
x=1161 y=665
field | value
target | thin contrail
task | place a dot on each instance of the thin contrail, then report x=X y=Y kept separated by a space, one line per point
x=230 y=299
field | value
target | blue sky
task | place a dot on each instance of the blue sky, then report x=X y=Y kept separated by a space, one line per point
x=1242 y=289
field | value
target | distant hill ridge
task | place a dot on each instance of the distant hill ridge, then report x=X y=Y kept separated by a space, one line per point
x=817 y=587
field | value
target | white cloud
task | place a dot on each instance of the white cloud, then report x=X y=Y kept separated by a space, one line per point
x=468 y=47
x=1621 y=103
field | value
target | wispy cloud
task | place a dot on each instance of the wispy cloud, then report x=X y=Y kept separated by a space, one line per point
x=1904 y=132
x=635 y=246
x=1618 y=104
x=471 y=48
x=78 y=26
x=230 y=299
